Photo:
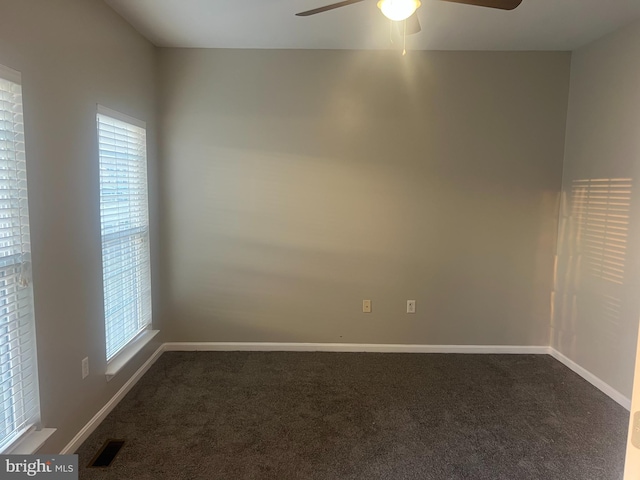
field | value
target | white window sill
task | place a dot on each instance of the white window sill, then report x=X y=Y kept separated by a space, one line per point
x=30 y=443
x=118 y=362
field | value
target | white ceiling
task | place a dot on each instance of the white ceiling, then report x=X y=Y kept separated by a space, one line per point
x=535 y=25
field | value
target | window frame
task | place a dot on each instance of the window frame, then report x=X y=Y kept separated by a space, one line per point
x=134 y=344
x=29 y=437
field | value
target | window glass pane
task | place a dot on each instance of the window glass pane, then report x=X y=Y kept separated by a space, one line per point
x=19 y=407
x=125 y=231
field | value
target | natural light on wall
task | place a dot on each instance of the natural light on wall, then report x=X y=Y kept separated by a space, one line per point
x=124 y=214
x=19 y=405
x=601 y=208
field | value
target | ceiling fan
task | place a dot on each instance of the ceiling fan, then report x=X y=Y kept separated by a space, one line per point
x=398 y=10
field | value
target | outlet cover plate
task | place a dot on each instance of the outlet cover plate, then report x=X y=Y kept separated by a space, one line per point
x=366 y=306
x=635 y=432
x=85 y=367
x=411 y=306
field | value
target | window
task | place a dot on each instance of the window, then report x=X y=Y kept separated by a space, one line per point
x=124 y=219
x=19 y=405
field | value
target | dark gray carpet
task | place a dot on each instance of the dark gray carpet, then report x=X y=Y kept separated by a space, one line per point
x=235 y=415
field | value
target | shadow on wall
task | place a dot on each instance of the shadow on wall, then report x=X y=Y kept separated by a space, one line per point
x=285 y=233
x=593 y=279
x=305 y=182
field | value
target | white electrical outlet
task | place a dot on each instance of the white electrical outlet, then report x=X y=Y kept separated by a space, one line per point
x=85 y=368
x=366 y=306
x=411 y=306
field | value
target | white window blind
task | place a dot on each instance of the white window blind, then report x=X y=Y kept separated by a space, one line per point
x=19 y=404
x=124 y=214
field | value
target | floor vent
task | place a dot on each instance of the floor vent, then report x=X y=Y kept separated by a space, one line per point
x=107 y=453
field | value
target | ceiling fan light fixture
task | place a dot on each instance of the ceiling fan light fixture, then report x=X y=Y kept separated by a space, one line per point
x=398 y=10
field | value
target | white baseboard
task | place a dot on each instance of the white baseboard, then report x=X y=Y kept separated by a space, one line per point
x=591 y=378
x=348 y=347
x=97 y=419
x=89 y=428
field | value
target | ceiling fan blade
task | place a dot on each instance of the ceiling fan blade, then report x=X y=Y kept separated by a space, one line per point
x=326 y=8
x=501 y=4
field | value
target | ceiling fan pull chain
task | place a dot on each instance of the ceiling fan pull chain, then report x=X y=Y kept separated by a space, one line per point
x=404 y=39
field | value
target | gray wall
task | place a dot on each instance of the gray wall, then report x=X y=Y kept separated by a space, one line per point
x=596 y=320
x=73 y=54
x=297 y=183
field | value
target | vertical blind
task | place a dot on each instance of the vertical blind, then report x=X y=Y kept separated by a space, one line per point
x=19 y=405
x=124 y=215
